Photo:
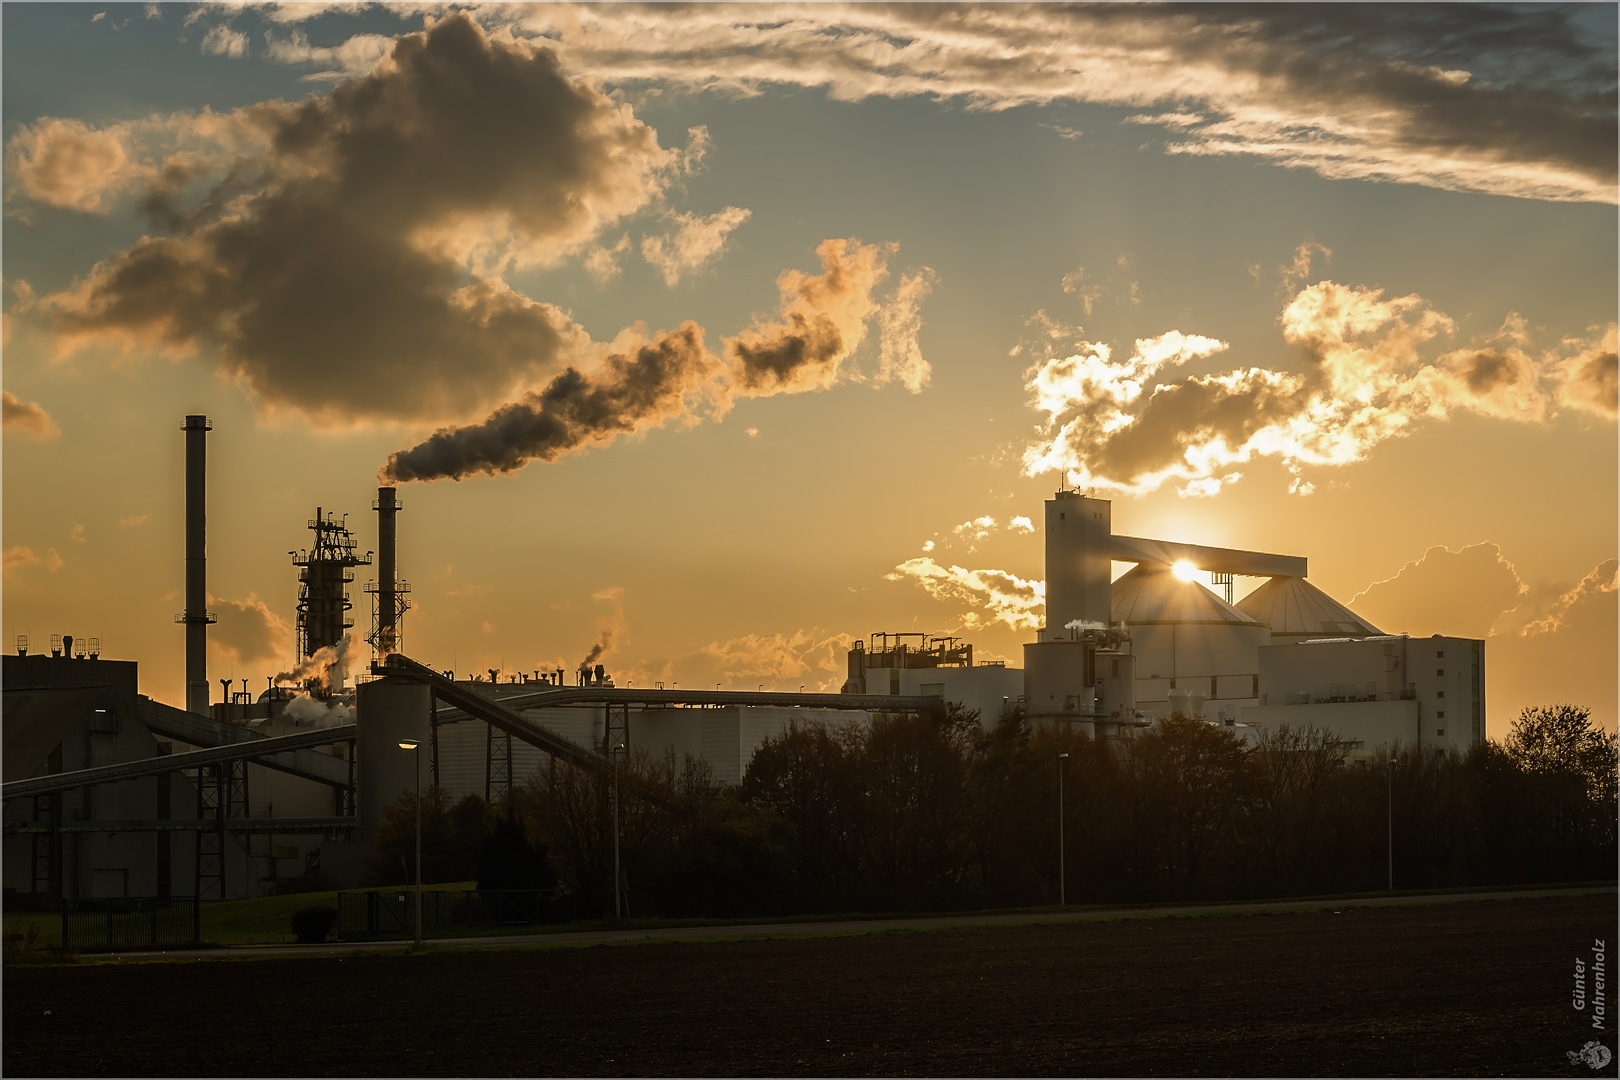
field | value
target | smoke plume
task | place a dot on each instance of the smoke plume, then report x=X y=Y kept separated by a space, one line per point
x=305 y=711
x=821 y=320
x=608 y=627
x=323 y=668
x=662 y=380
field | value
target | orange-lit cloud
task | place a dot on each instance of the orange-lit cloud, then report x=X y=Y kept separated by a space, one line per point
x=1589 y=380
x=1457 y=593
x=249 y=631
x=17 y=557
x=1121 y=425
x=1543 y=643
x=28 y=417
x=996 y=596
x=693 y=243
x=810 y=658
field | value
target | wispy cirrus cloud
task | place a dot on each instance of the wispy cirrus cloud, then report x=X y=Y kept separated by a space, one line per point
x=1509 y=101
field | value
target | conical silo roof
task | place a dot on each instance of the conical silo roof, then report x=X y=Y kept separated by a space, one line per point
x=1153 y=594
x=1293 y=607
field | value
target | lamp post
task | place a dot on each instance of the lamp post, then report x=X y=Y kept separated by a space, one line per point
x=1062 y=894
x=618 y=892
x=1390 y=788
x=416 y=746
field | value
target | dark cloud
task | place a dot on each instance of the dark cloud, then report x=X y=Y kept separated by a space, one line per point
x=1590 y=379
x=1195 y=413
x=630 y=393
x=352 y=266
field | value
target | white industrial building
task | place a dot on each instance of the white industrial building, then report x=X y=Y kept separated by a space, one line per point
x=1117 y=655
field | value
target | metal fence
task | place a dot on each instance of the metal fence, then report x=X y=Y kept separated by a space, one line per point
x=391 y=913
x=129 y=922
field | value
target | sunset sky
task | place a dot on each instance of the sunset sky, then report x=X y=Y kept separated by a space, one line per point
x=728 y=334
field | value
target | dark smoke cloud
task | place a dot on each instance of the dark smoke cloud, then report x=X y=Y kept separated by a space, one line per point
x=351 y=264
x=629 y=393
x=821 y=319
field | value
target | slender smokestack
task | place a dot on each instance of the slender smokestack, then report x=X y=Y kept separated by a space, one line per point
x=387 y=604
x=196 y=615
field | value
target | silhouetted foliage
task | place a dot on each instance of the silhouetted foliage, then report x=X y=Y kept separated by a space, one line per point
x=934 y=812
x=510 y=861
x=452 y=839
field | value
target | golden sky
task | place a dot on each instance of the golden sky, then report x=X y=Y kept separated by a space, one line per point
x=723 y=335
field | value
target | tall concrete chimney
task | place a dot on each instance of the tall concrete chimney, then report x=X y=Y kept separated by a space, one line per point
x=196 y=616
x=387 y=598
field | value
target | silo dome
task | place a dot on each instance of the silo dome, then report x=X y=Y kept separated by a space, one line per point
x=1187 y=638
x=1296 y=610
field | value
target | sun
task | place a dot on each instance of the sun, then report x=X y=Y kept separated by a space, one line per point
x=1184 y=570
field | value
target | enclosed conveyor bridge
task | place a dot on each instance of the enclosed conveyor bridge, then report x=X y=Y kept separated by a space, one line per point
x=262 y=750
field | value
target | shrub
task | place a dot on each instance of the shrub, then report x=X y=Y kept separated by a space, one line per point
x=314 y=924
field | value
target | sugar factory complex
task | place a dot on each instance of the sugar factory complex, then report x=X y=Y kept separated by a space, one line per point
x=110 y=793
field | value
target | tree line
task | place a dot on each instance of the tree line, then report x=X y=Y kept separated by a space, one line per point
x=933 y=812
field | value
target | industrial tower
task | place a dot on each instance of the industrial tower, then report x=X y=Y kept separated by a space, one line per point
x=325 y=571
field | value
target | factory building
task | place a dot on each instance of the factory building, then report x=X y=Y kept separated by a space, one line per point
x=1377 y=690
x=111 y=793
x=1117 y=655
x=937 y=667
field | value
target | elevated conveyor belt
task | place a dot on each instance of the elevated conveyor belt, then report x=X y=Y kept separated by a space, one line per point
x=285 y=826
x=129 y=770
x=1220 y=560
x=498 y=714
x=204 y=731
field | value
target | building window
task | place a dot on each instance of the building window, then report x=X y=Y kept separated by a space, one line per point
x=1114 y=668
x=1440 y=672
x=1439 y=693
x=1254 y=687
x=1440 y=656
x=1441 y=715
x=1439 y=731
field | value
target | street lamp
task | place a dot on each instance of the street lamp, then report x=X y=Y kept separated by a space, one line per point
x=416 y=745
x=1062 y=895
x=618 y=891
x=1391 y=810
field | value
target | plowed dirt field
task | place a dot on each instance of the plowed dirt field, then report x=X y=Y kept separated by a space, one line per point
x=1478 y=988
